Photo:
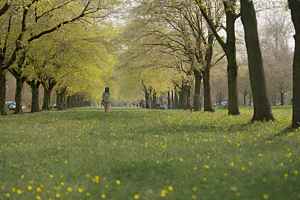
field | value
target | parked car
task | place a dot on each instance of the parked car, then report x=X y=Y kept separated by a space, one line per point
x=10 y=105
x=224 y=104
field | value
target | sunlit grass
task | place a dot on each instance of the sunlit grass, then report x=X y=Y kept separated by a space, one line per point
x=148 y=154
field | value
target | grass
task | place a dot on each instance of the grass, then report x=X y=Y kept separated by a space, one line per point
x=148 y=154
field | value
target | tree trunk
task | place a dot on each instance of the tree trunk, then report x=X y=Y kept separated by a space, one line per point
x=35 y=96
x=245 y=95
x=282 y=98
x=250 y=99
x=69 y=102
x=19 y=94
x=172 y=99
x=2 y=91
x=207 y=97
x=176 y=99
x=262 y=107
x=150 y=98
x=294 y=5
x=169 y=101
x=154 y=100
x=197 y=98
x=220 y=99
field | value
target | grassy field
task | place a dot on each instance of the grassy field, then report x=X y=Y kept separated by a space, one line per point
x=148 y=154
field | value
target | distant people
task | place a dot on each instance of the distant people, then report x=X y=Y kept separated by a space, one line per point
x=105 y=100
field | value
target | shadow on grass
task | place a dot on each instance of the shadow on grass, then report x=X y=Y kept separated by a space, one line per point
x=284 y=132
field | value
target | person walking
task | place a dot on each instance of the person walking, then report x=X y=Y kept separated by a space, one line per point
x=105 y=100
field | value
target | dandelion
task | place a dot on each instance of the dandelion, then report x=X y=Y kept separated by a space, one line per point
x=250 y=163
x=39 y=189
x=80 y=190
x=233 y=188
x=163 y=193
x=69 y=189
x=51 y=176
x=118 y=182
x=62 y=183
x=87 y=175
x=194 y=196
x=265 y=196
x=281 y=164
x=136 y=196
x=238 y=194
x=204 y=179
x=57 y=195
x=264 y=179
x=181 y=159
x=194 y=189
x=259 y=155
x=232 y=164
x=13 y=190
x=29 y=188
x=103 y=196
x=22 y=176
x=296 y=172
x=285 y=176
x=7 y=195
x=206 y=166
x=38 y=197
x=88 y=194
x=170 y=188
x=31 y=182
x=243 y=168
x=19 y=191
x=66 y=162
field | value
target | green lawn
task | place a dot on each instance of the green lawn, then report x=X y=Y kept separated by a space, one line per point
x=148 y=154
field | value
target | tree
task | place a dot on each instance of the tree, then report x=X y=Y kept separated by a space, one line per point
x=294 y=5
x=229 y=48
x=262 y=107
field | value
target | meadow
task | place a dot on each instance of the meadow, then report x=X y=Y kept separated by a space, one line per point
x=144 y=154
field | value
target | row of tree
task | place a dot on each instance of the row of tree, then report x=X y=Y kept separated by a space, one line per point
x=64 y=45
x=178 y=38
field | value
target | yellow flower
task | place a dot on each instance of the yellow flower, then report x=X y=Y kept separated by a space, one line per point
x=22 y=176
x=238 y=194
x=259 y=155
x=194 y=196
x=79 y=190
x=66 y=162
x=265 y=196
x=31 y=182
x=281 y=164
x=296 y=172
x=69 y=189
x=118 y=182
x=181 y=159
x=13 y=190
x=57 y=195
x=39 y=189
x=195 y=168
x=206 y=166
x=87 y=175
x=29 y=187
x=243 y=168
x=232 y=164
x=38 y=197
x=19 y=191
x=87 y=194
x=7 y=195
x=233 y=188
x=61 y=176
x=170 y=188
x=250 y=163
x=204 y=179
x=136 y=196
x=51 y=176
x=103 y=196
x=62 y=183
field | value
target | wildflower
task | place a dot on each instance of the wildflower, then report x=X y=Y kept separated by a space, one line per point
x=206 y=166
x=243 y=168
x=238 y=194
x=194 y=196
x=29 y=188
x=195 y=168
x=163 y=193
x=69 y=189
x=51 y=176
x=118 y=182
x=136 y=196
x=87 y=175
x=259 y=155
x=296 y=172
x=7 y=195
x=233 y=188
x=194 y=189
x=19 y=191
x=87 y=194
x=265 y=196
x=231 y=164
x=204 y=179
x=22 y=176
x=57 y=195
x=281 y=164
x=103 y=196
x=31 y=182
x=62 y=183
x=39 y=189
x=250 y=163
x=170 y=188
x=13 y=190
x=79 y=190
x=181 y=159
x=38 y=197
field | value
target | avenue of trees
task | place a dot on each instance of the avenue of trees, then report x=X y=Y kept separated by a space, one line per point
x=195 y=52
